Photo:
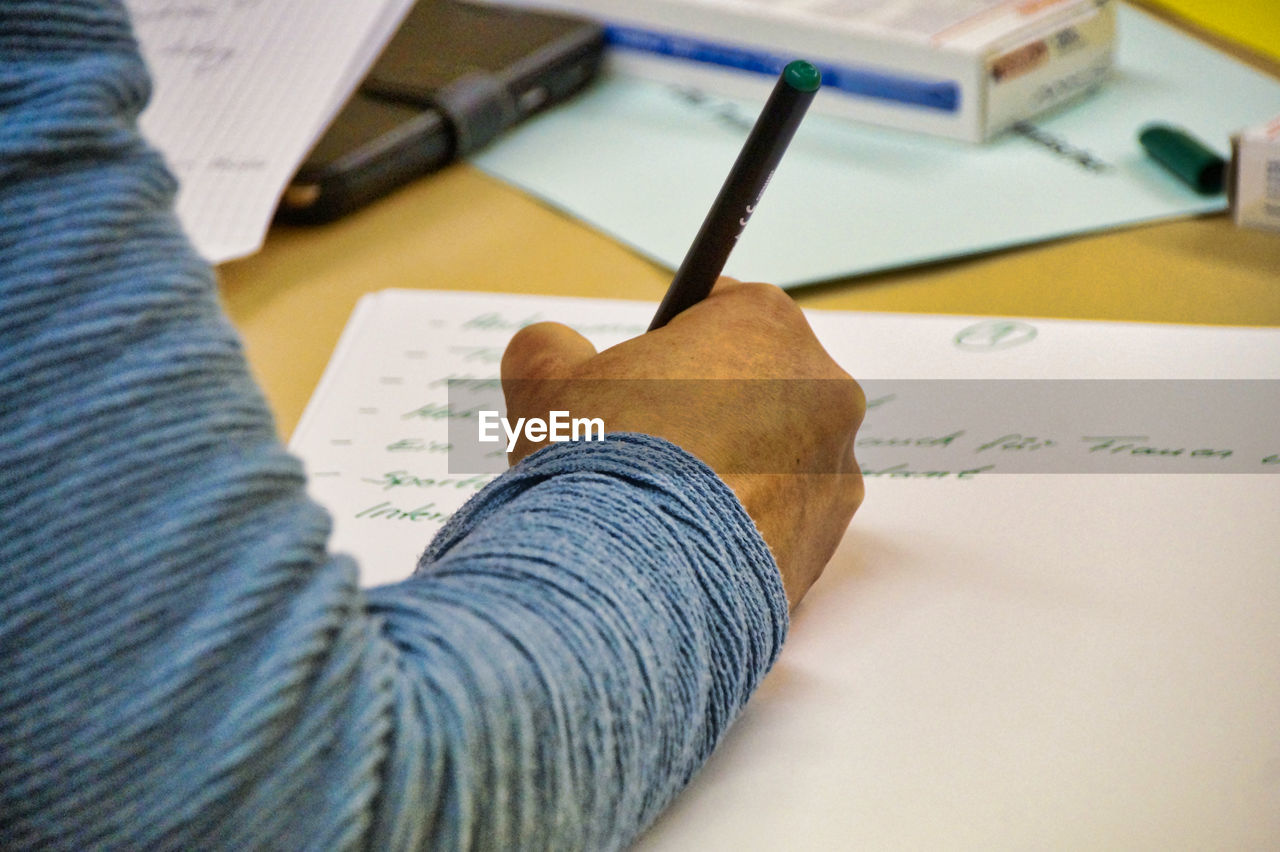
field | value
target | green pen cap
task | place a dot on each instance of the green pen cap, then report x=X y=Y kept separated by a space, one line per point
x=802 y=76
x=1185 y=156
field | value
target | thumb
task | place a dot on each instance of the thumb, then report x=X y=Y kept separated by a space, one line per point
x=546 y=350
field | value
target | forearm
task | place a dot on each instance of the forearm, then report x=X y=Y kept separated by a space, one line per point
x=617 y=608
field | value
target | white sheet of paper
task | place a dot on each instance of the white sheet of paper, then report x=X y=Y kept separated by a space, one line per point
x=997 y=661
x=642 y=163
x=1036 y=662
x=242 y=90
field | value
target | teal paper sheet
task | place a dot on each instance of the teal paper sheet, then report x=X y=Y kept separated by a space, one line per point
x=642 y=162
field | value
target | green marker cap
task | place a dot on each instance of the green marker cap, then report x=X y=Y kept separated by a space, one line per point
x=1185 y=156
x=802 y=76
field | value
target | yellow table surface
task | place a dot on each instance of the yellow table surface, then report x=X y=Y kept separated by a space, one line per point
x=1252 y=23
x=461 y=230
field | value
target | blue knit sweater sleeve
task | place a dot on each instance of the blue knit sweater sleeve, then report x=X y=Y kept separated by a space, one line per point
x=183 y=665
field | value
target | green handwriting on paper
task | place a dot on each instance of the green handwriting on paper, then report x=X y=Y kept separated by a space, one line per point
x=494 y=321
x=1137 y=445
x=952 y=454
x=1016 y=441
x=1071 y=425
x=418 y=445
x=436 y=411
x=1010 y=441
x=904 y=471
x=483 y=354
x=991 y=335
x=389 y=512
x=404 y=479
x=926 y=441
x=468 y=382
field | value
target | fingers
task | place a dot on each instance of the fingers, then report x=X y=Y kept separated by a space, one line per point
x=546 y=350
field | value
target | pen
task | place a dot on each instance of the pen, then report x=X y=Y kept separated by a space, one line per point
x=741 y=191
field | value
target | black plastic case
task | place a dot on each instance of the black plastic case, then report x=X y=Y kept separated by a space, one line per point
x=452 y=78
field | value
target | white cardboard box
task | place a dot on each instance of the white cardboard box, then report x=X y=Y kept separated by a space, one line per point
x=1255 y=184
x=965 y=69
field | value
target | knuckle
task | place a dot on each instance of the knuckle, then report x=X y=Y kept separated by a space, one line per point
x=533 y=335
x=768 y=309
x=529 y=353
x=770 y=297
x=855 y=492
x=844 y=399
x=854 y=399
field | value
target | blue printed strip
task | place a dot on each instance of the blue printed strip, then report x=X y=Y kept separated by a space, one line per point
x=865 y=83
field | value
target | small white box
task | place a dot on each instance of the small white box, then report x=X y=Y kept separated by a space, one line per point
x=965 y=69
x=1255 y=184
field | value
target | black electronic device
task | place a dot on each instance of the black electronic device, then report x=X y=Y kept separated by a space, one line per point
x=453 y=77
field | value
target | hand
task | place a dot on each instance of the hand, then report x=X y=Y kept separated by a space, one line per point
x=785 y=446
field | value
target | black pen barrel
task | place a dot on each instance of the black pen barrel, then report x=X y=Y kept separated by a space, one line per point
x=738 y=197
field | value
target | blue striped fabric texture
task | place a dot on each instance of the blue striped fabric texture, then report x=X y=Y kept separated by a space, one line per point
x=184 y=665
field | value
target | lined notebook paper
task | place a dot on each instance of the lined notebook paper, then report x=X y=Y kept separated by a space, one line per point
x=242 y=90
